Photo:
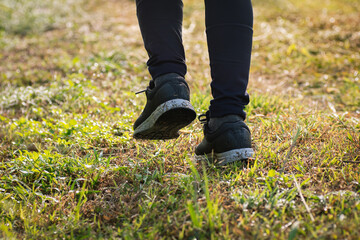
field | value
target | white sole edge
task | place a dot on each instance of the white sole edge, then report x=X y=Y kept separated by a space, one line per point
x=224 y=158
x=161 y=109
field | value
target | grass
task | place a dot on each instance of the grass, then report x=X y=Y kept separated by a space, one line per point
x=69 y=167
x=27 y=17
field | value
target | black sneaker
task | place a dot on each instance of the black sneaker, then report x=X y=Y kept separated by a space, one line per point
x=167 y=109
x=230 y=140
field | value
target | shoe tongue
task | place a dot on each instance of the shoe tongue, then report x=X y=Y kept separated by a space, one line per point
x=215 y=123
x=151 y=84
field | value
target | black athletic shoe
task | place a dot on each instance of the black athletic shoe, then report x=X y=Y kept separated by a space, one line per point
x=229 y=142
x=167 y=109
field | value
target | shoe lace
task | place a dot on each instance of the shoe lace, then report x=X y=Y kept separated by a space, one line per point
x=151 y=86
x=204 y=118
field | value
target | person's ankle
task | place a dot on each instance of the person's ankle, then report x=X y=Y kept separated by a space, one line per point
x=167 y=76
x=215 y=123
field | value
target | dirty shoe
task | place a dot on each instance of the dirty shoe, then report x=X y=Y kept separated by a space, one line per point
x=226 y=139
x=167 y=109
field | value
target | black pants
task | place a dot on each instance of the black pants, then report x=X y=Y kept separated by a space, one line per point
x=229 y=37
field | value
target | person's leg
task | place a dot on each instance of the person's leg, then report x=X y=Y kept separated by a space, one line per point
x=161 y=27
x=229 y=35
x=168 y=107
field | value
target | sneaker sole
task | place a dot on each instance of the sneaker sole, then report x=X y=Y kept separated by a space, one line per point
x=224 y=158
x=166 y=120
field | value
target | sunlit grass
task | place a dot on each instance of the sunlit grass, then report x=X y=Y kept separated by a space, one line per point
x=28 y=17
x=69 y=167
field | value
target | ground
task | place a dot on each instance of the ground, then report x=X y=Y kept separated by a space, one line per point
x=70 y=169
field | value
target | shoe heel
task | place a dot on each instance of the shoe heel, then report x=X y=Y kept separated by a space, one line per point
x=233 y=155
x=166 y=120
